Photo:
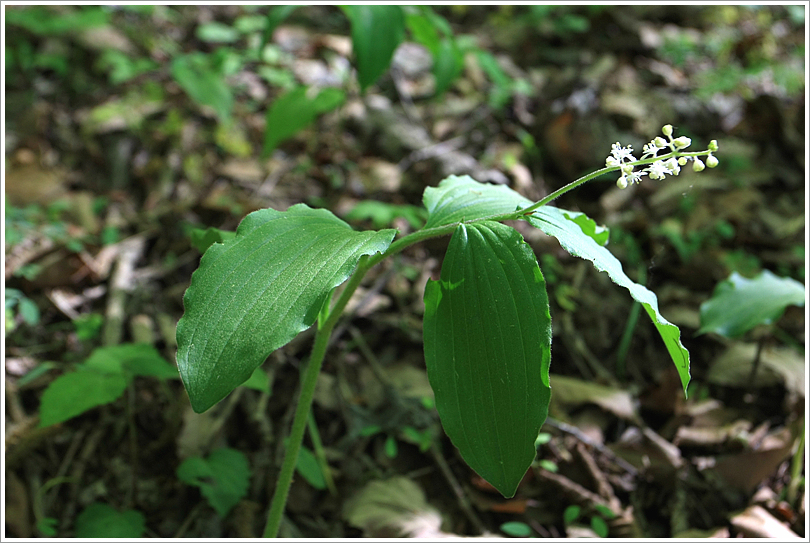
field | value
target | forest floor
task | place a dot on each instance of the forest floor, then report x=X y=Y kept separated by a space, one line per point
x=110 y=166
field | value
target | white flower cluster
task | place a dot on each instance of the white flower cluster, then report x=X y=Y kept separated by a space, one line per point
x=623 y=157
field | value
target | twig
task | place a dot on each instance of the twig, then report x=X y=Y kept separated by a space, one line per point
x=577 y=433
x=463 y=501
x=120 y=284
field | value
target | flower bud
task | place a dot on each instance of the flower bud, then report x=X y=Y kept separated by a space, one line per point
x=627 y=168
x=713 y=145
x=711 y=161
x=682 y=161
x=667 y=130
x=611 y=161
x=621 y=182
x=682 y=142
x=698 y=165
x=660 y=142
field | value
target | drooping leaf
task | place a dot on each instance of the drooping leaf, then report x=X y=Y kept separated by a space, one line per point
x=460 y=198
x=104 y=521
x=487 y=339
x=561 y=224
x=295 y=110
x=376 y=33
x=257 y=291
x=223 y=477
x=738 y=304
x=73 y=393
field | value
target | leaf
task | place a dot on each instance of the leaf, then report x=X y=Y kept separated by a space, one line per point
x=739 y=304
x=257 y=291
x=203 y=239
x=383 y=214
x=308 y=467
x=387 y=506
x=102 y=520
x=376 y=33
x=516 y=529
x=295 y=110
x=131 y=359
x=462 y=198
x=203 y=82
x=448 y=61
x=560 y=224
x=215 y=31
x=258 y=380
x=74 y=393
x=223 y=477
x=487 y=337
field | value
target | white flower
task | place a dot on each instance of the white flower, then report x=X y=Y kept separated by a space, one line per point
x=633 y=177
x=681 y=143
x=672 y=166
x=657 y=170
x=650 y=148
x=660 y=142
x=622 y=152
x=611 y=161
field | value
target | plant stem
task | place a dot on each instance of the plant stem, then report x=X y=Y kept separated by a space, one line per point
x=310 y=378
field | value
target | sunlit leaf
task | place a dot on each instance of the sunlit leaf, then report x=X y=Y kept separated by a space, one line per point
x=561 y=224
x=254 y=293
x=487 y=339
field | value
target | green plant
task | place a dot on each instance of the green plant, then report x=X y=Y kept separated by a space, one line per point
x=487 y=327
x=223 y=477
x=597 y=522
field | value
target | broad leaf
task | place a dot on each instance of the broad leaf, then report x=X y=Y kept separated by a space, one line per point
x=73 y=393
x=223 y=477
x=295 y=110
x=564 y=226
x=462 y=198
x=257 y=291
x=376 y=33
x=738 y=304
x=131 y=359
x=487 y=337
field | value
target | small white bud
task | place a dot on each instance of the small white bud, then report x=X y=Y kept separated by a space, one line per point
x=627 y=168
x=621 y=182
x=660 y=142
x=698 y=165
x=713 y=145
x=667 y=130
x=711 y=161
x=682 y=142
x=611 y=161
x=682 y=161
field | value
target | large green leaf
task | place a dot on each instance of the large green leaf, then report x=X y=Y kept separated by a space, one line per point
x=461 y=198
x=567 y=227
x=257 y=291
x=738 y=304
x=295 y=110
x=487 y=337
x=376 y=33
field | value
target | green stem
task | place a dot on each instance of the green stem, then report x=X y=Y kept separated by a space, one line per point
x=308 y=382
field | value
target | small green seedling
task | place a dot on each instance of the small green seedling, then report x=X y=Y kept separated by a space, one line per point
x=223 y=477
x=487 y=325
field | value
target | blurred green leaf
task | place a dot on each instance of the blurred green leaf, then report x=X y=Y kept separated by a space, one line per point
x=74 y=393
x=516 y=529
x=48 y=21
x=258 y=380
x=203 y=83
x=295 y=110
x=217 y=32
x=223 y=477
x=376 y=33
x=739 y=304
x=99 y=520
x=203 y=239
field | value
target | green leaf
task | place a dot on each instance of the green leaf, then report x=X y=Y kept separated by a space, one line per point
x=130 y=359
x=203 y=82
x=308 y=467
x=571 y=513
x=223 y=477
x=738 y=304
x=383 y=214
x=74 y=393
x=487 y=337
x=462 y=198
x=376 y=33
x=203 y=239
x=295 y=110
x=217 y=32
x=257 y=291
x=102 y=520
x=516 y=529
x=599 y=526
x=448 y=61
x=258 y=380
x=561 y=224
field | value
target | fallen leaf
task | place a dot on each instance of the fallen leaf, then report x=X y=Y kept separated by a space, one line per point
x=570 y=391
x=757 y=522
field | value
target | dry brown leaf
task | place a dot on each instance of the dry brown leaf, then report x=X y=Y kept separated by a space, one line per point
x=757 y=522
x=575 y=392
